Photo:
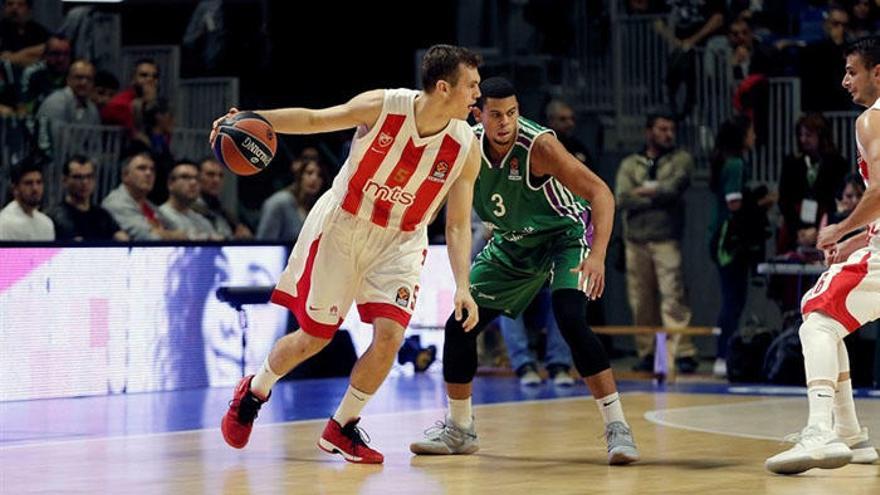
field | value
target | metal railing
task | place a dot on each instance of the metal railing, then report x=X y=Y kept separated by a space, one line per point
x=204 y=99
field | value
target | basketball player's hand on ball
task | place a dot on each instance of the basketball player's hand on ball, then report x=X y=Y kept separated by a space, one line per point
x=592 y=270
x=232 y=111
x=464 y=303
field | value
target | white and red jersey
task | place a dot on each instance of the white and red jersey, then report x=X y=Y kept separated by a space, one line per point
x=873 y=227
x=395 y=178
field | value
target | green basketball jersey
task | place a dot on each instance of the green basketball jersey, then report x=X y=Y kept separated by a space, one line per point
x=518 y=206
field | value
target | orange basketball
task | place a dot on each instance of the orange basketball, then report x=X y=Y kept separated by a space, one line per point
x=245 y=143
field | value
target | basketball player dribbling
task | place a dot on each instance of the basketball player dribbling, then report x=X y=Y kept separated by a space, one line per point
x=365 y=240
x=844 y=298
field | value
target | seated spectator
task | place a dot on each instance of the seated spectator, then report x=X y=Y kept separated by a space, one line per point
x=22 y=40
x=285 y=211
x=77 y=218
x=126 y=107
x=561 y=118
x=863 y=18
x=183 y=191
x=106 y=85
x=850 y=195
x=73 y=104
x=644 y=7
x=21 y=219
x=39 y=80
x=742 y=50
x=211 y=174
x=822 y=62
x=809 y=180
x=8 y=89
x=157 y=124
x=130 y=207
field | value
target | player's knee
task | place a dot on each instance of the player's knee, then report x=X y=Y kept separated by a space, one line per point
x=459 y=353
x=570 y=310
x=388 y=342
x=820 y=332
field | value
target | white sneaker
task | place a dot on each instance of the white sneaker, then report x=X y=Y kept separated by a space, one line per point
x=862 y=448
x=562 y=377
x=816 y=447
x=719 y=369
x=529 y=377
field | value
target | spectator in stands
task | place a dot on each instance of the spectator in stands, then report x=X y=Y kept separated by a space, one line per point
x=21 y=219
x=22 y=40
x=155 y=133
x=738 y=229
x=810 y=180
x=130 y=207
x=126 y=107
x=690 y=24
x=283 y=214
x=822 y=62
x=561 y=118
x=211 y=175
x=743 y=51
x=650 y=190
x=8 y=89
x=72 y=104
x=183 y=191
x=644 y=7
x=863 y=18
x=39 y=80
x=77 y=218
x=850 y=195
x=106 y=85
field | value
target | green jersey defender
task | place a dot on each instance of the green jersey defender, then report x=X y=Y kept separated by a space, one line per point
x=539 y=227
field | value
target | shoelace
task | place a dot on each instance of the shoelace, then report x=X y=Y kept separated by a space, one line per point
x=436 y=430
x=618 y=430
x=356 y=434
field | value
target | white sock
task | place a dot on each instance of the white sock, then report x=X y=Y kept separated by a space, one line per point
x=350 y=407
x=264 y=380
x=460 y=412
x=846 y=424
x=821 y=399
x=611 y=408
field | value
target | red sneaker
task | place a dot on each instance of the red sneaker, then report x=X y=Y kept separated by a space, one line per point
x=239 y=419
x=348 y=441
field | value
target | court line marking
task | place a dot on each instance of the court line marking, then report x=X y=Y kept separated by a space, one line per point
x=287 y=423
x=654 y=417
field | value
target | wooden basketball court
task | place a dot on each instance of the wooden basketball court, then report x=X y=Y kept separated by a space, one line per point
x=690 y=443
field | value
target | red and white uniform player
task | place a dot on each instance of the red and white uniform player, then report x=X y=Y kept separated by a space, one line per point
x=844 y=298
x=365 y=240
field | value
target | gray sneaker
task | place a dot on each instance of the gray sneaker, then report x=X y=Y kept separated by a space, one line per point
x=621 y=446
x=447 y=439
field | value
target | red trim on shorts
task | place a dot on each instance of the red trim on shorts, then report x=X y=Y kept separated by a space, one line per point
x=371 y=311
x=398 y=178
x=832 y=301
x=297 y=304
x=371 y=161
x=431 y=186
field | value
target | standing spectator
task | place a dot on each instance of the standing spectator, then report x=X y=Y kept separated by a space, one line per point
x=8 y=89
x=77 y=218
x=72 y=104
x=183 y=189
x=650 y=193
x=689 y=25
x=21 y=219
x=738 y=225
x=106 y=86
x=809 y=180
x=561 y=118
x=285 y=211
x=211 y=176
x=743 y=51
x=22 y=40
x=130 y=207
x=822 y=62
x=126 y=107
x=39 y=80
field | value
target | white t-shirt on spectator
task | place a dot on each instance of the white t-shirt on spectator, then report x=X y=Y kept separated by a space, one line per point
x=16 y=225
